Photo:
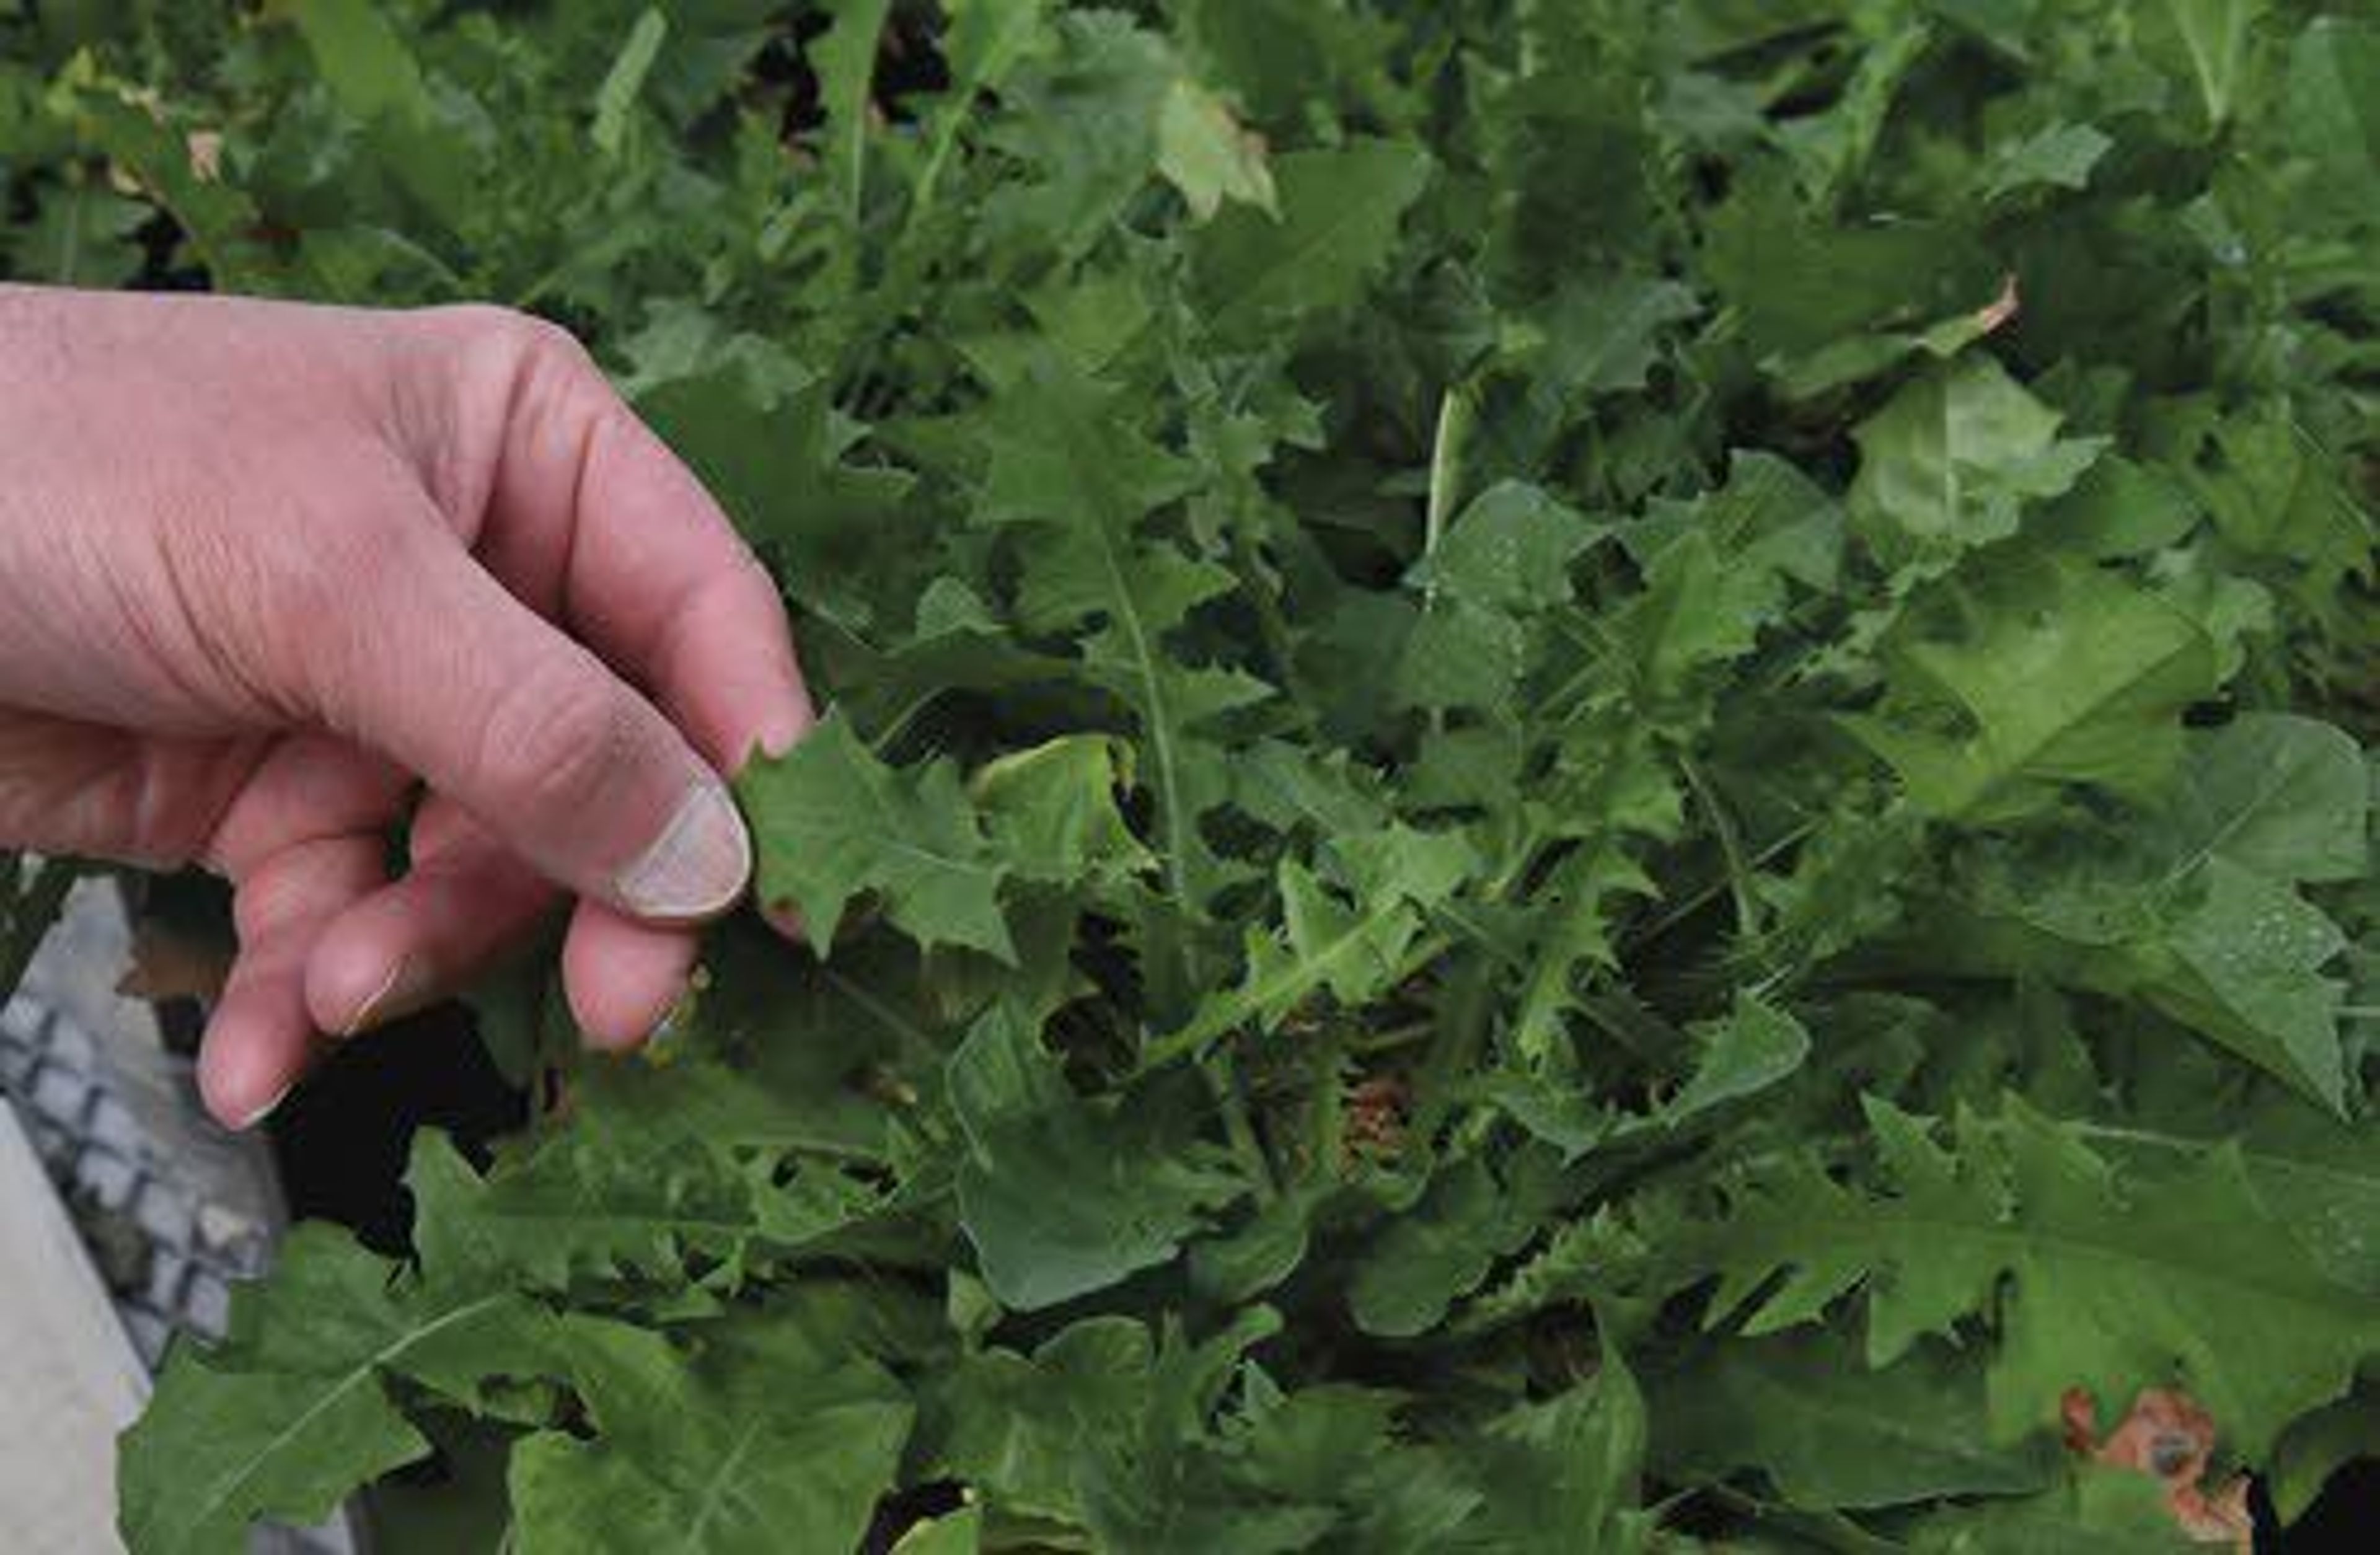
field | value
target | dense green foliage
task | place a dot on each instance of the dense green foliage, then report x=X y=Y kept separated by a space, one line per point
x=1598 y=773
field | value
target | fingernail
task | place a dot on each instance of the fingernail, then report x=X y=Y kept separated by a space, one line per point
x=394 y=990
x=272 y=1104
x=697 y=867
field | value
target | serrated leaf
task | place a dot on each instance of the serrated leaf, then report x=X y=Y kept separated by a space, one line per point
x=2119 y=1283
x=778 y=1452
x=831 y=822
x=1754 y=1047
x=1564 y=1472
x=295 y=1412
x=2059 y=674
x=1079 y=483
x=1426 y=1258
x=1203 y=151
x=1339 y=213
x=1350 y=946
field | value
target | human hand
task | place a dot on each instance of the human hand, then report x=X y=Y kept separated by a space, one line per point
x=268 y=570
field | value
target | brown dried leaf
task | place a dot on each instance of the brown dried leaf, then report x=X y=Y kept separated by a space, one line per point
x=167 y=964
x=2169 y=1437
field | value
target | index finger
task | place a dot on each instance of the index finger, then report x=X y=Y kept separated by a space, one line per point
x=590 y=518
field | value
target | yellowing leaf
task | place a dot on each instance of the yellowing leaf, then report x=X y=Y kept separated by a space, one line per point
x=1203 y=151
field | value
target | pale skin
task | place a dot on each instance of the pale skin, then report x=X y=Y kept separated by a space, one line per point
x=275 y=580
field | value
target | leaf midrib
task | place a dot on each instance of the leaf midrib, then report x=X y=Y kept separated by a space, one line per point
x=242 y=1474
x=718 y=1490
x=1302 y=974
x=2022 y=758
x=1240 y=309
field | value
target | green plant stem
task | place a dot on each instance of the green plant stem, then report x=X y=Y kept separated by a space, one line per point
x=1239 y=1125
x=1730 y=845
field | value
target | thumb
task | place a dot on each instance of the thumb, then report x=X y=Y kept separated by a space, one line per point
x=562 y=761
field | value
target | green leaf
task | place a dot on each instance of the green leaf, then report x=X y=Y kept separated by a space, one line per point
x=1342 y=1448
x=2059 y=674
x=295 y=1411
x=1804 y=1409
x=1953 y=461
x=961 y=1533
x=1061 y=1197
x=2194 y=910
x=830 y=821
x=1018 y=1426
x=2327 y=104
x=1203 y=151
x=81 y=236
x=1564 y=1472
x=1773 y=523
x=2120 y=508
x=2061 y=155
x=2215 y=39
x=1799 y=281
x=363 y=58
x=373 y=74
x=1427 y=1258
x=986 y=40
x=1754 y=1048
x=1051 y=810
x=781 y=1449
x=1627 y=800
x=2118 y=1283
x=1510 y=550
x=2093 y=1510
x=616 y=98
x=1353 y=948
x=1339 y=215
x=1603 y=336
x=1079 y=483
x=845 y=59
x=2233 y=956
x=2321 y=1444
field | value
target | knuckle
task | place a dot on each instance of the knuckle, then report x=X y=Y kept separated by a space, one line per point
x=493 y=326
x=546 y=347
x=513 y=353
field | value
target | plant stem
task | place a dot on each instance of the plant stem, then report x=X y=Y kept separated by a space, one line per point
x=1730 y=845
x=1239 y=1127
